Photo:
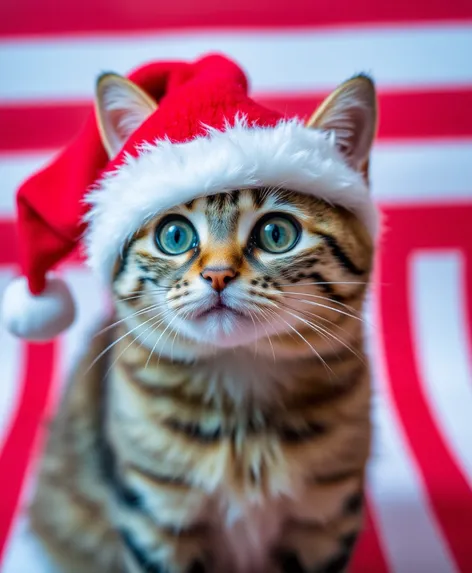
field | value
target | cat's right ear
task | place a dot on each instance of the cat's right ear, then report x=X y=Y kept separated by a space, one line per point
x=120 y=107
x=350 y=113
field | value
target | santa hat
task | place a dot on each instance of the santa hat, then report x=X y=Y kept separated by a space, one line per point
x=203 y=136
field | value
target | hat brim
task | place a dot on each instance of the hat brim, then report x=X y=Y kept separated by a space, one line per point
x=165 y=174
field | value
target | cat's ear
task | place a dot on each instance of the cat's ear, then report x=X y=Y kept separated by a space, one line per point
x=350 y=113
x=121 y=107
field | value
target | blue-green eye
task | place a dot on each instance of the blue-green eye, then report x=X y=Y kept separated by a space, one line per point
x=176 y=236
x=277 y=234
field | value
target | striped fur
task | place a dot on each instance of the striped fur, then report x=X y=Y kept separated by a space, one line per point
x=208 y=445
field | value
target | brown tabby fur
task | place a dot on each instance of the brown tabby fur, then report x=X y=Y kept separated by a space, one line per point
x=231 y=442
x=152 y=452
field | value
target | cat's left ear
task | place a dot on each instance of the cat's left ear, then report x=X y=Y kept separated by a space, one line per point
x=350 y=113
x=121 y=107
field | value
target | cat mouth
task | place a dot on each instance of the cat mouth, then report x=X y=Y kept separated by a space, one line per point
x=219 y=309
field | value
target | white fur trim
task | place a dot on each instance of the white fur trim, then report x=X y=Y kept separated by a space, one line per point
x=37 y=318
x=165 y=175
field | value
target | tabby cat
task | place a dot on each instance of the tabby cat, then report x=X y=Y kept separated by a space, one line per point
x=220 y=422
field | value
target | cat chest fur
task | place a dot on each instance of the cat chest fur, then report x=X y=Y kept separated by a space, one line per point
x=250 y=534
x=235 y=474
x=211 y=444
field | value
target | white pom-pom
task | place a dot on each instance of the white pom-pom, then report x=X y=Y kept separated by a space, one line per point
x=37 y=318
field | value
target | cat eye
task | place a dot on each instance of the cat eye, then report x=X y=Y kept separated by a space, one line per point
x=277 y=233
x=176 y=235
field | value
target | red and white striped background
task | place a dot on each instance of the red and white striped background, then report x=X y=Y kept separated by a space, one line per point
x=420 y=313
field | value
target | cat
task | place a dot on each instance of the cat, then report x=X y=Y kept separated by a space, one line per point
x=219 y=423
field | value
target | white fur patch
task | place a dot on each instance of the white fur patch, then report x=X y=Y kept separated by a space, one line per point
x=165 y=175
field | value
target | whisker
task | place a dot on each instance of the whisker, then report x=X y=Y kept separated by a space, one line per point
x=307 y=343
x=324 y=319
x=185 y=315
x=326 y=332
x=343 y=343
x=325 y=283
x=318 y=304
x=155 y=289
x=349 y=307
x=265 y=310
x=110 y=346
x=139 y=312
x=157 y=341
x=267 y=335
x=139 y=295
x=162 y=345
x=277 y=317
x=255 y=332
x=320 y=329
x=172 y=347
x=308 y=323
x=360 y=317
x=272 y=313
x=152 y=328
x=129 y=316
x=168 y=336
x=314 y=315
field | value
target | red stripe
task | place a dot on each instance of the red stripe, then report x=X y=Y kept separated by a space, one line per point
x=55 y=16
x=28 y=127
x=435 y=114
x=449 y=493
x=8 y=236
x=369 y=556
x=413 y=114
x=16 y=454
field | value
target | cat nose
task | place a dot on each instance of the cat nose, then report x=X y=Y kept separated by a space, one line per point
x=219 y=278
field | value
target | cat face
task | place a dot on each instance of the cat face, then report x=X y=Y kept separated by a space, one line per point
x=228 y=269
x=235 y=267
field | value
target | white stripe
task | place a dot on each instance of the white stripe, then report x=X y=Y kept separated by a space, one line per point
x=11 y=356
x=422 y=171
x=400 y=172
x=410 y=534
x=23 y=549
x=444 y=356
x=303 y=60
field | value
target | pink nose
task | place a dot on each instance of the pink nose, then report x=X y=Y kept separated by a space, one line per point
x=219 y=278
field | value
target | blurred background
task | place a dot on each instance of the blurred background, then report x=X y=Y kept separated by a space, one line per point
x=420 y=311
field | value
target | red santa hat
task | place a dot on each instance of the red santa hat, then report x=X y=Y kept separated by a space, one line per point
x=202 y=135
